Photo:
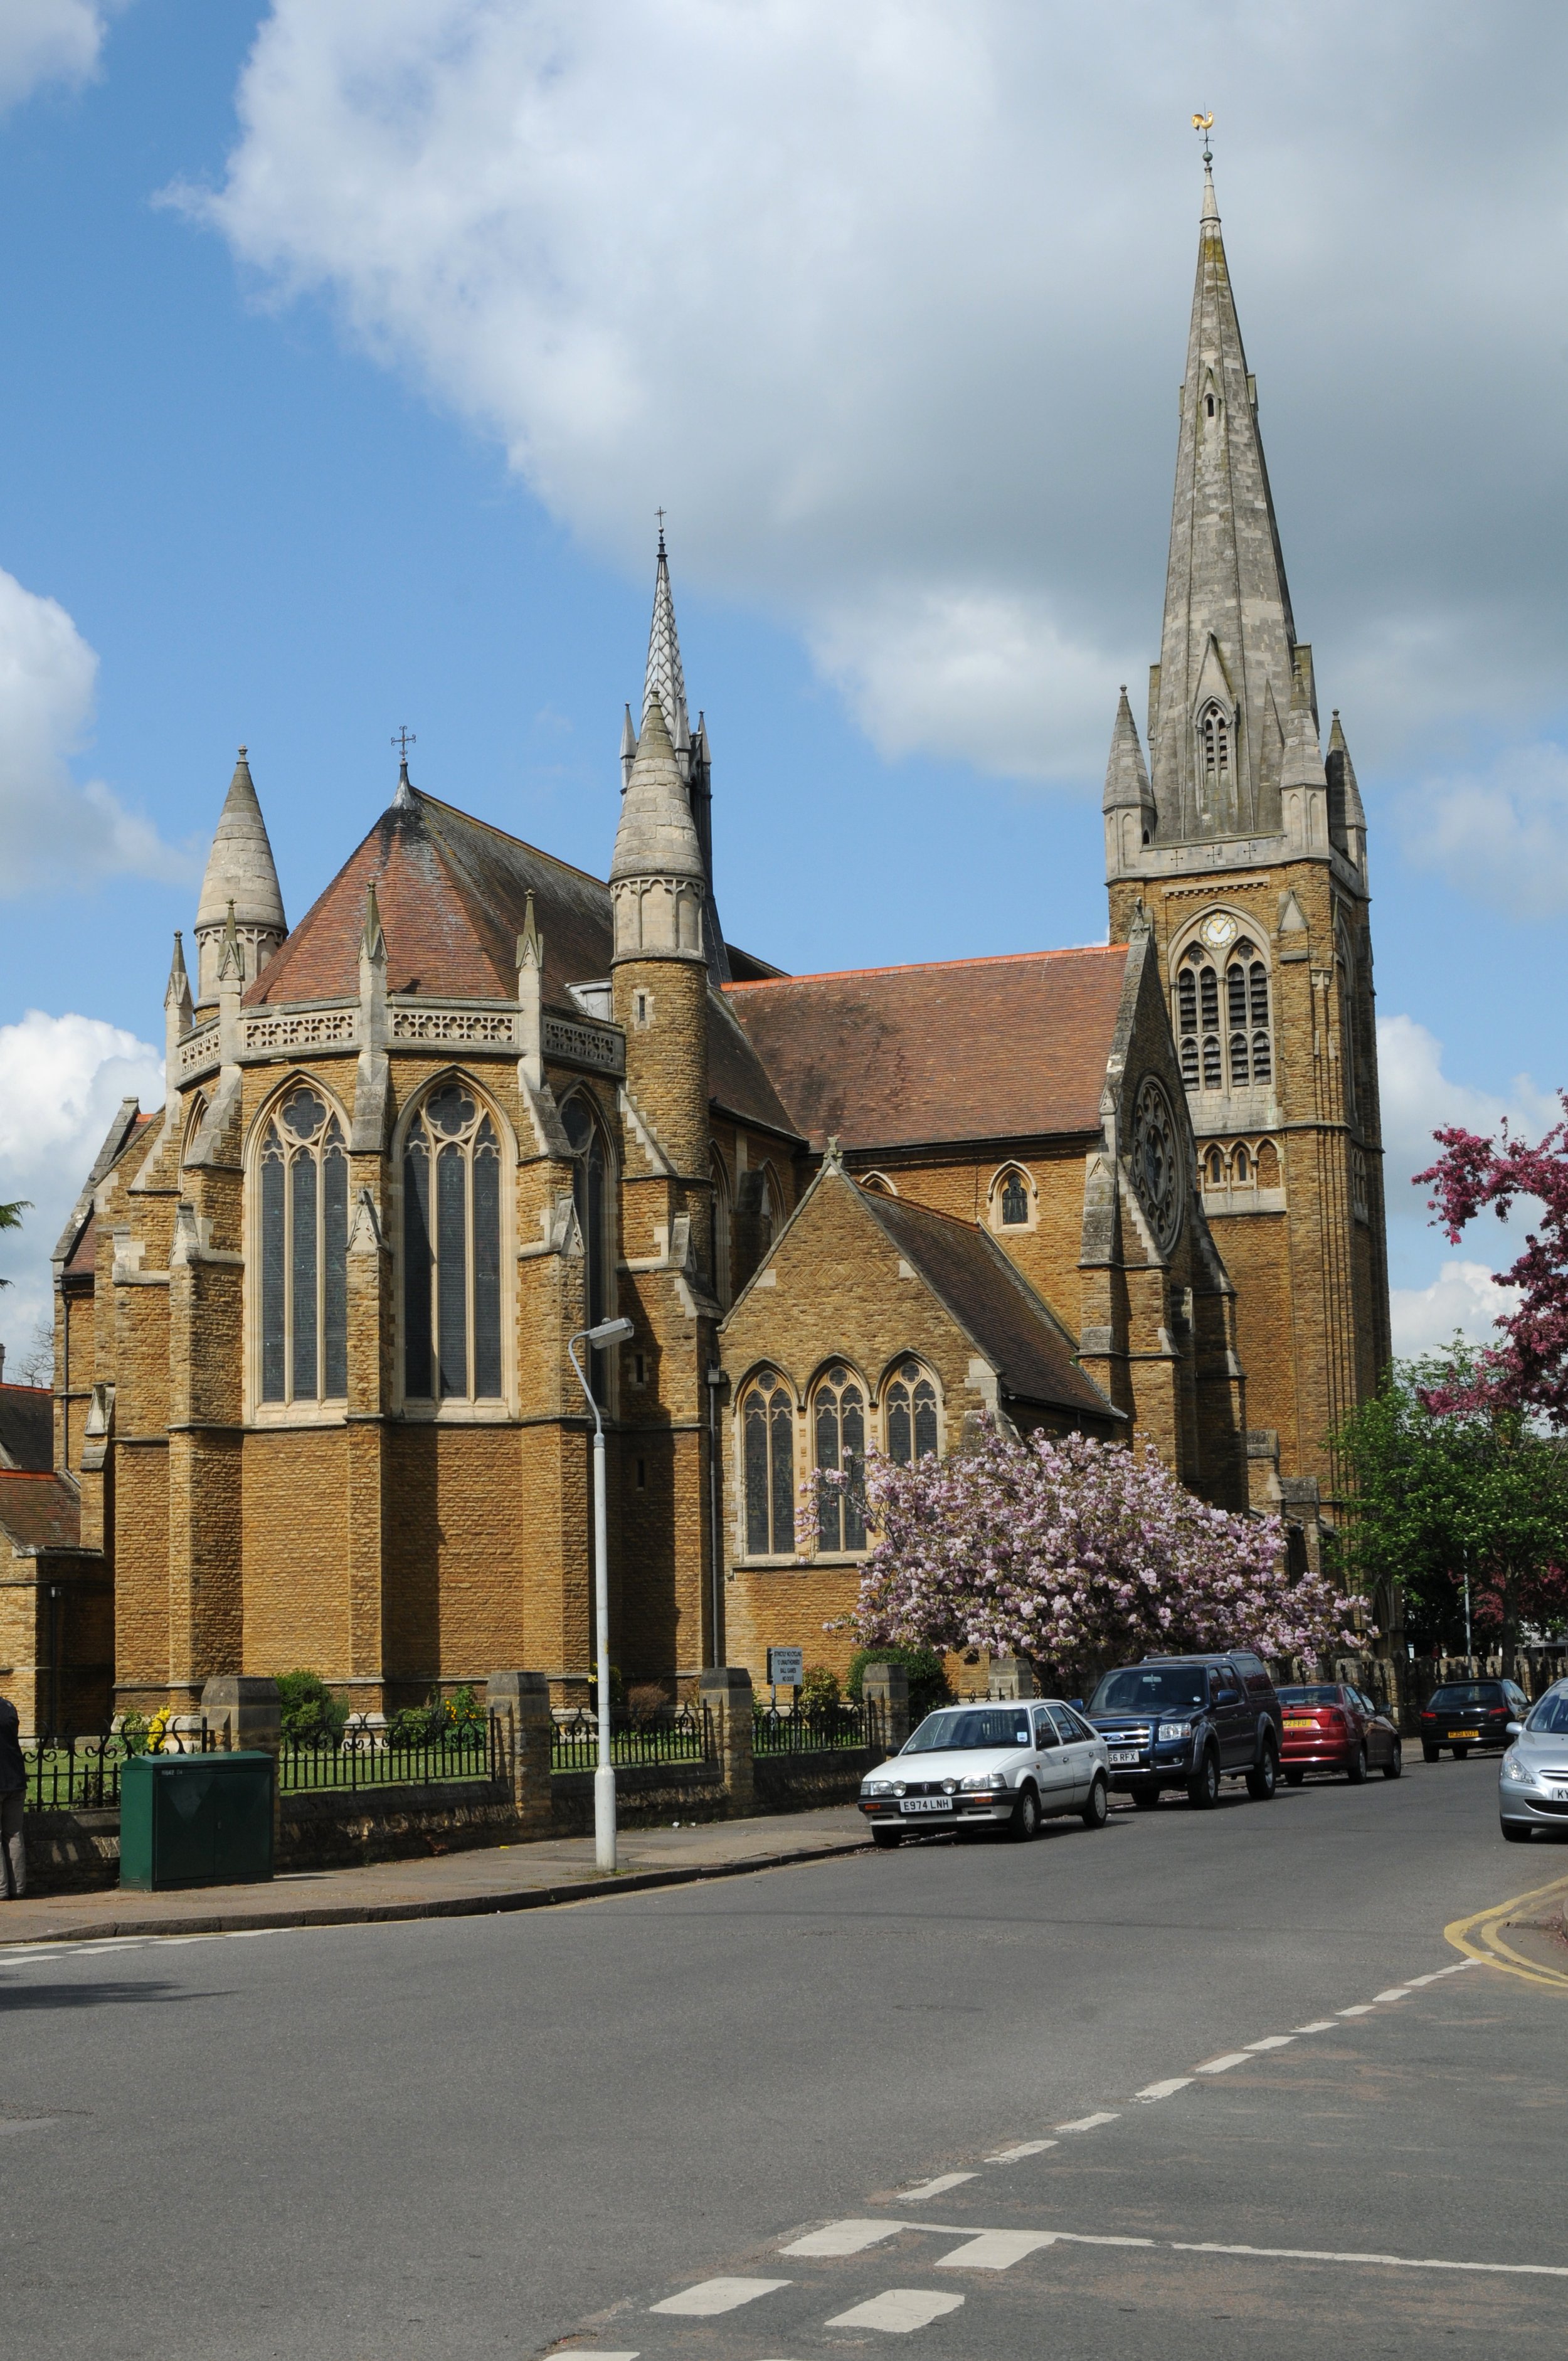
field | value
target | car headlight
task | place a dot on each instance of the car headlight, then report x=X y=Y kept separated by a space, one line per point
x=1517 y=1769
x=992 y=1783
x=876 y=1786
x=1176 y=1729
x=900 y=1787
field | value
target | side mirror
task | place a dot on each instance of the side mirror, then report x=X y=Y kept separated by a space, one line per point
x=1516 y=1730
x=1077 y=1704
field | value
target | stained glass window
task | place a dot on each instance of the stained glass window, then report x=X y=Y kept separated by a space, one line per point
x=839 y=1424
x=452 y=1251
x=767 y=1428
x=304 y=1245
x=910 y=1415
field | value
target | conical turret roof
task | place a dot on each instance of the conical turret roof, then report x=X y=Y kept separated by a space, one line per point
x=1126 y=780
x=664 y=682
x=240 y=869
x=657 y=836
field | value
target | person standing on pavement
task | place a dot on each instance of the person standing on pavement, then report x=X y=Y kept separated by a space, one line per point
x=12 y=1801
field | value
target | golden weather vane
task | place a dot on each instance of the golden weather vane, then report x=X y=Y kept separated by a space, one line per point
x=1205 y=124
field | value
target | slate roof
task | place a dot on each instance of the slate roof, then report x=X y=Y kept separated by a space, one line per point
x=452 y=892
x=994 y=1049
x=1013 y=1328
x=27 y=1427
x=40 y=1512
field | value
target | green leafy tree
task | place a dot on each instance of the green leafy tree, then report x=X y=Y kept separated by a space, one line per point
x=1439 y=1495
x=11 y=1219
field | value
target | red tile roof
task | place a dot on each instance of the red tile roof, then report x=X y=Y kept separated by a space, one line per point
x=40 y=1512
x=992 y=1048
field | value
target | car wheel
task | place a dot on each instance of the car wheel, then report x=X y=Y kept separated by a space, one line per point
x=1025 y=1821
x=1516 y=1832
x=1263 y=1777
x=885 y=1838
x=1203 y=1787
x=1097 y=1810
x=1356 y=1770
x=1294 y=1778
x=1395 y=1762
x=1460 y=1753
x=1429 y=1752
x=1145 y=1798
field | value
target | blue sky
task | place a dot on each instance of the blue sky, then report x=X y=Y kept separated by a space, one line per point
x=349 y=346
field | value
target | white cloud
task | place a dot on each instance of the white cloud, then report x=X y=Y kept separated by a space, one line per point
x=54 y=830
x=61 y=1079
x=49 y=41
x=888 y=303
x=1463 y=1300
x=1501 y=835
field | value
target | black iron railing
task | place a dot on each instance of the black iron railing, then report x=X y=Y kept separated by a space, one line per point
x=686 y=1736
x=818 y=1730
x=73 y=1773
x=365 y=1757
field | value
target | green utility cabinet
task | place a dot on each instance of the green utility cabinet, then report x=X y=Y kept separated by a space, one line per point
x=196 y=1819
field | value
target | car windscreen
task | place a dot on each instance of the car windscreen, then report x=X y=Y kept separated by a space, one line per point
x=1150 y=1688
x=1321 y=1692
x=965 y=1727
x=1462 y=1693
x=1550 y=1714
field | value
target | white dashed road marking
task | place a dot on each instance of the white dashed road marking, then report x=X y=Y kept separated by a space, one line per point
x=1362 y=2008
x=1087 y=2123
x=1395 y=1991
x=994 y=2250
x=1319 y=2025
x=710 y=2297
x=1164 y=2090
x=1223 y=2065
x=1023 y=2148
x=938 y=2187
x=842 y=2238
x=898 y=2309
x=1270 y=2041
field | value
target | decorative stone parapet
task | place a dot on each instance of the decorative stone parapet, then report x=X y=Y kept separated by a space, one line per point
x=520 y=1703
x=726 y=1693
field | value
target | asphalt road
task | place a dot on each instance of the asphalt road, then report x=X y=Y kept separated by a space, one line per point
x=501 y=2133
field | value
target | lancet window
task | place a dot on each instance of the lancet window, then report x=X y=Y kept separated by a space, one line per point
x=303 y=1235
x=1224 y=1034
x=1014 y=1201
x=452 y=1250
x=1214 y=737
x=909 y=1415
x=767 y=1451
x=839 y=1438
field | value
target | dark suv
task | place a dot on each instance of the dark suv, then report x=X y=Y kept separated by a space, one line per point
x=1188 y=1721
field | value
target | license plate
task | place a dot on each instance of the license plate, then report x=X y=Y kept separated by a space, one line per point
x=926 y=1804
x=1464 y=1733
x=1301 y=1725
x=1124 y=1754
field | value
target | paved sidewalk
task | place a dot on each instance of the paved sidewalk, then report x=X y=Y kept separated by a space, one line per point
x=458 y=1885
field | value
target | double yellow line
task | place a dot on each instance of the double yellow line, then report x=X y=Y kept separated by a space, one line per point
x=1479 y=1937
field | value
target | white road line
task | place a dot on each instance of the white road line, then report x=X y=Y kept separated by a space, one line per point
x=897 y=2310
x=842 y=2238
x=580 y=2353
x=1437 y=1974
x=1362 y=2008
x=1023 y=2148
x=1389 y=2262
x=994 y=2250
x=1319 y=2025
x=1087 y=2123
x=1162 y=2090
x=710 y=2297
x=943 y=2182
x=1223 y=2065
x=1395 y=1991
x=1272 y=2041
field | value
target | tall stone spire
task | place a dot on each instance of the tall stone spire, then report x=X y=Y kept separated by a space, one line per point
x=242 y=880
x=663 y=680
x=1221 y=693
x=664 y=688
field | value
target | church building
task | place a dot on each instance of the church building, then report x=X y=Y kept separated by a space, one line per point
x=312 y=1388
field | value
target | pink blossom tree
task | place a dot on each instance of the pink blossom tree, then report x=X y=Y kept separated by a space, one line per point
x=1072 y=1552
x=1528 y=1370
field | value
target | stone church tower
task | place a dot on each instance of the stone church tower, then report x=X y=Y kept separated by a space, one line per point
x=1246 y=848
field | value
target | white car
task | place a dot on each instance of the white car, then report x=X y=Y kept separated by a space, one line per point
x=988 y=1765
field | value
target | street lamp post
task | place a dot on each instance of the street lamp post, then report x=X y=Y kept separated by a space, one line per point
x=608 y=1332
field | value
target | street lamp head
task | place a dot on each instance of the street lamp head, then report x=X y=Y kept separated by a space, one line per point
x=609 y=1332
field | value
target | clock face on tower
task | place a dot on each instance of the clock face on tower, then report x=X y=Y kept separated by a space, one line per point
x=1218 y=931
x=1156 y=1162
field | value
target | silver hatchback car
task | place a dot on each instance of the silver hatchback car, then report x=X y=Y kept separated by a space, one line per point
x=974 y=1765
x=1532 y=1782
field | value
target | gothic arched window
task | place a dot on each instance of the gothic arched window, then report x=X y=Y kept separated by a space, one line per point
x=1242 y=1052
x=452 y=1250
x=590 y=1196
x=767 y=1455
x=1014 y=1202
x=909 y=1415
x=1241 y=1167
x=838 y=1441
x=1214 y=1167
x=1213 y=753
x=303 y=1234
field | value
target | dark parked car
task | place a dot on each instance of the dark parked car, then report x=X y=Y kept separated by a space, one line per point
x=1329 y=1726
x=1463 y=1714
x=1189 y=1721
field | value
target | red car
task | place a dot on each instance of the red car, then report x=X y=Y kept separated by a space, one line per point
x=1329 y=1726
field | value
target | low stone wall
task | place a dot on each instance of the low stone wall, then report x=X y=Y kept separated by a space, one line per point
x=71 y=1853
x=647 y=1795
x=327 y=1828
x=804 y=1783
